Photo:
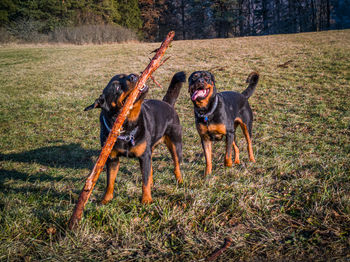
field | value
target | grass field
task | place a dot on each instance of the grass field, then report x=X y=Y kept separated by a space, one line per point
x=292 y=204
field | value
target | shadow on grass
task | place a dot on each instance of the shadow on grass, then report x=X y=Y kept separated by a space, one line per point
x=30 y=193
x=63 y=156
x=33 y=190
x=6 y=175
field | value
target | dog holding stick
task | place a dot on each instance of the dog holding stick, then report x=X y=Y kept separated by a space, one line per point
x=148 y=123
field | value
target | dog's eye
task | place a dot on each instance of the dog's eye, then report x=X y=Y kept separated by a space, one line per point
x=133 y=78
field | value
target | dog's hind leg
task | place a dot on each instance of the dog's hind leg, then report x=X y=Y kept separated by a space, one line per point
x=235 y=147
x=175 y=148
x=247 y=137
x=112 y=170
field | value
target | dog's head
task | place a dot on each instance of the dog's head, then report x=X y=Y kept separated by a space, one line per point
x=201 y=88
x=116 y=92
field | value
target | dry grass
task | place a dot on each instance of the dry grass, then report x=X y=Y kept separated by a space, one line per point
x=293 y=204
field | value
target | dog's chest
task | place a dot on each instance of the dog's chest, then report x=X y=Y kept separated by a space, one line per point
x=125 y=149
x=214 y=131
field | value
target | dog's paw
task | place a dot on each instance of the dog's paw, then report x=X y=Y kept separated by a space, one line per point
x=206 y=173
x=179 y=181
x=228 y=162
x=146 y=200
x=106 y=199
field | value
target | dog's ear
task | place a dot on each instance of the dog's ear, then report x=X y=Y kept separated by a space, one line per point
x=212 y=78
x=99 y=102
x=190 y=82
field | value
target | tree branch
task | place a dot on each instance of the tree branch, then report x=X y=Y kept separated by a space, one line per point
x=113 y=135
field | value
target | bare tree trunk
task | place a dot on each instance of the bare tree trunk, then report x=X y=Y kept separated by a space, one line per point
x=265 y=17
x=253 y=18
x=292 y=18
x=183 y=19
x=328 y=15
x=278 y=22
x=248 y=18
x=240 y=14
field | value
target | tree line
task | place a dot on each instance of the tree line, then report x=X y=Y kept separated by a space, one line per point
x=191 y=19
x=194 y=19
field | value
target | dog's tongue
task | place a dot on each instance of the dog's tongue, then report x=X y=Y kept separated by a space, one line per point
x=198 y=93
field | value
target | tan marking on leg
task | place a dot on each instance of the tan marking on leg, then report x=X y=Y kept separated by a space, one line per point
x=151 y=176
x=113 y=154
x=247 y=137
x=157 y=143
x=146 y=189
x=207 y=147
x=235 y=147
x=110 y=183
x=172 y=148
x=228 y=160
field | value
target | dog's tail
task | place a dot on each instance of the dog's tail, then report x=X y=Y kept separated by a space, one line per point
x=252 y=79
x=174 y=88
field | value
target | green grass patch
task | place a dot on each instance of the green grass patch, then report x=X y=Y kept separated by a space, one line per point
x=292 y=204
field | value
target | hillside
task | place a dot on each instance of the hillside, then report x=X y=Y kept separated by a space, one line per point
x=292 y=204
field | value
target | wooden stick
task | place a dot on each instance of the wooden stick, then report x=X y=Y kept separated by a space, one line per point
x=113 y=135
x=285 y=65
x=215 y=255
x=156 y=82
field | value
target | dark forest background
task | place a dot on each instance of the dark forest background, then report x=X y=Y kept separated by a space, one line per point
x=150 y=20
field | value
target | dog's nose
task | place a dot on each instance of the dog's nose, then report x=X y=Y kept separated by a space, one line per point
x=201 y=80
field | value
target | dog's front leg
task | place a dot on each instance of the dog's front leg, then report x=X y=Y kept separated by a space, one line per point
x=207 y=148
x=228 y=155
x=147 y=176
x=112 y=170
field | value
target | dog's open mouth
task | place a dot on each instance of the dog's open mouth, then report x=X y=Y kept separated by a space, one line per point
x=201 y=93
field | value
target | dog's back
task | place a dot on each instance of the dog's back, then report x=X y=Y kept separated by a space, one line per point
x=161 y=115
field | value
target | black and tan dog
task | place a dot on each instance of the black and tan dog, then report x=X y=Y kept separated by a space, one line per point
x=148 y=123
x=218 y=114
